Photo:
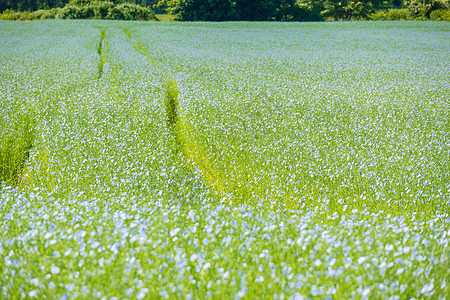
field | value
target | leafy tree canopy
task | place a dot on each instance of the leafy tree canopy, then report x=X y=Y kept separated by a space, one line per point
x=279 y=10
x=32 y=5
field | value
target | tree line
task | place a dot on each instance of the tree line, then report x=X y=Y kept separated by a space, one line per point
x=83 y=9
x=237 y=10
x=33 y=5
x=295 y=10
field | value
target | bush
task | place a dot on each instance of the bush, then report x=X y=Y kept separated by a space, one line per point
x=334 y=10
x=101 y=9
x=86 y=9
x=391 y=14
x=72 y=11
x=43 y=14
x=7 y=15
x=16 y=15
x=440 y=15
x=23 y=16
x=89 y=2
x=127 y=11
x=419 y=11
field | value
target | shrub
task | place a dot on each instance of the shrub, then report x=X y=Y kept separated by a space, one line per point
x=43 y=14
x=37 y=15
x=7 y=15
x=89 y=2
x=86 y=9
x=127 y=11
x=440 y=14
x=101 y=8
x=346 y=10
x=419 y=11
x=391 y=14
x=16 y=15
x=72 y=11
x=10 y=14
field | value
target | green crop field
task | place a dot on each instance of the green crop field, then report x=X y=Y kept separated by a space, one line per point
x=146 y=160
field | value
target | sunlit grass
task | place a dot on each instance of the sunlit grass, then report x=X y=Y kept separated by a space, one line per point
x=165 y=17
x=17 y=138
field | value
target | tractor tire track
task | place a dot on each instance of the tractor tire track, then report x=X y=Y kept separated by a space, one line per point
x=102 y=57
x=194 y=156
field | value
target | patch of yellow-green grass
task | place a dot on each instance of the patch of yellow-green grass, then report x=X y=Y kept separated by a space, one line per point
x=198 y=157
x=165 y=17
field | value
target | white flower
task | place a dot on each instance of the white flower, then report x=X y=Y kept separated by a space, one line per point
x=427 y=288
x=54 y=270
x=173 y=232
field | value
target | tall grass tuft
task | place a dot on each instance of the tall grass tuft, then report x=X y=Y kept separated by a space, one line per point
x=16 y=141
x=102 y=60
x=171 y=103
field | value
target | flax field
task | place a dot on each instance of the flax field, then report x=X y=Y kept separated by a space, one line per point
x=147 y=160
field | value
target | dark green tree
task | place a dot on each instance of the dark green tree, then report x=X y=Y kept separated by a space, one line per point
x=30 y=5
x=351 y=9
x=198 y=10
x=237 y=10
x=421 y=8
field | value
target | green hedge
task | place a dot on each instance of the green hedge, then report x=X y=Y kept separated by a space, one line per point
x=120 y=10
x=43 y=14
x=392 y=14
x=127 y=11
x=76 y=12
x=440 y=15
x=86 y=9
x=405 y=14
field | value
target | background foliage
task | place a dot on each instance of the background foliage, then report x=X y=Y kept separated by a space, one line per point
x=417 y=8
x=228 y=10
x=86 y=9
x=33 y=5
x=295 y=10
